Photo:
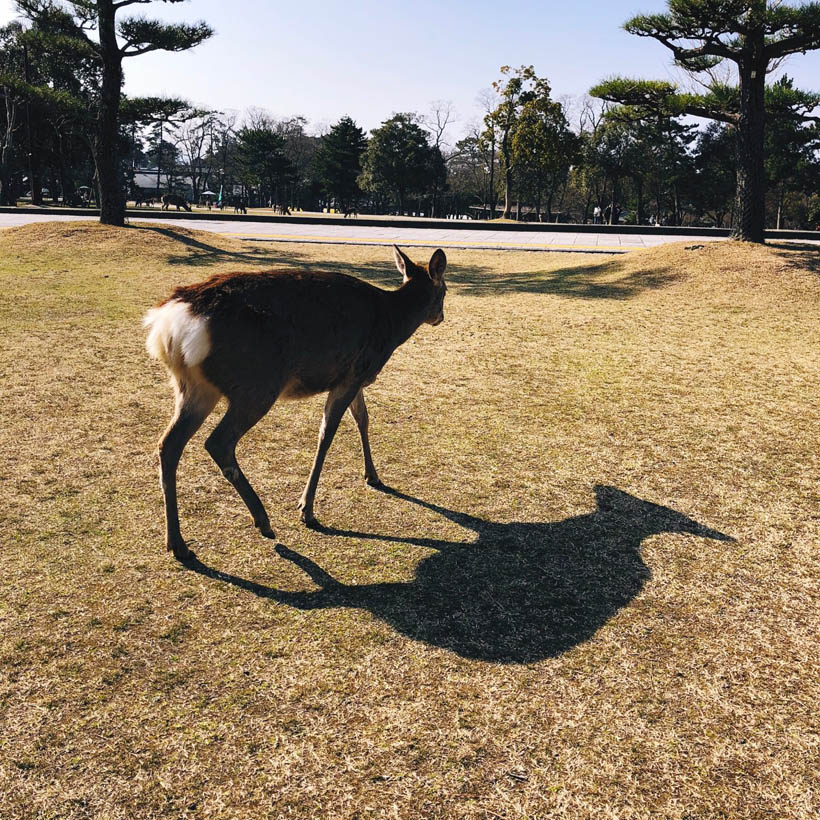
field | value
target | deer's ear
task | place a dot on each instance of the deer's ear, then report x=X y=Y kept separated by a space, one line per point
x=437 y=266
x=404 y=265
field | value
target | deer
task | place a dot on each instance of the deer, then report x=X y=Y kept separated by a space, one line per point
x=174 y=199
x=253 y=338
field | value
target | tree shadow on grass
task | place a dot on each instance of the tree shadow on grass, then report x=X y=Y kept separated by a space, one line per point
x=518 y=593
x=575 y=281
x=201 y=253
x=801 y=254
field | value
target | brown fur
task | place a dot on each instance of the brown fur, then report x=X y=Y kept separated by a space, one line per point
x=290 y=334
x=174 y=199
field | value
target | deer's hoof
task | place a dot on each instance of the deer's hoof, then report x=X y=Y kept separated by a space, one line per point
x=265 y=529
x=309 y=519
x=181 y=551
x=373 y=481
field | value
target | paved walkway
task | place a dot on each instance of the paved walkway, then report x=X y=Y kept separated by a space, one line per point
x=441 y=237
x=352 y=234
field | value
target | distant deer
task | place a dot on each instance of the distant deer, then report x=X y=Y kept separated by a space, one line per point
x=256 y=337
x=351 y=210
x=174 y=199
x=240 y=205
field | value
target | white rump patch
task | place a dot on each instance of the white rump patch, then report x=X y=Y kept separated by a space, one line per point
x=176 y=336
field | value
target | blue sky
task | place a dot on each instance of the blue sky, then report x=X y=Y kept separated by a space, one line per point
x=370 y=58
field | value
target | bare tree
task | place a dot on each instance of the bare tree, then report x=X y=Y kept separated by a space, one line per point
x=442 y=113
x=488 y=99
x=196 y=141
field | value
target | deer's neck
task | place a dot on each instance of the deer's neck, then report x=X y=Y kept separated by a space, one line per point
x=407 y=308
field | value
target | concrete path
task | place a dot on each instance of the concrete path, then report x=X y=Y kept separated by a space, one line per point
x=441 y=237
x=352 y=234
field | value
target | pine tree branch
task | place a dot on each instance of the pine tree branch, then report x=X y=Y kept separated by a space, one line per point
x=808 y=41
x=142 y=36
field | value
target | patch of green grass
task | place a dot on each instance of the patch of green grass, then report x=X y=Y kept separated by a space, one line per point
x=176 y=633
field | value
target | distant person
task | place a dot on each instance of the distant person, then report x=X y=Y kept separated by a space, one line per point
x=596 y=215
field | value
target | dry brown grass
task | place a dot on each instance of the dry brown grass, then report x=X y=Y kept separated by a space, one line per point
x=501 y=638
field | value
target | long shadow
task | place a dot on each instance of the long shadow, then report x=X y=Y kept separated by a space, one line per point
x=802 y=254
x=204 y=254
x=574 y=281
x=518 y=593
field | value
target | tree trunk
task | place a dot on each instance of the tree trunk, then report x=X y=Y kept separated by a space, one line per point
x=6 y=147
x=508 y=173
x=749 y=220
x=639 y=213
x=106 y=147
x=35 y=186
x=5 y=186
x=5 y=180
x=492 y=177
x=613 y=202
x=518 y=202
x=159 y=162
x=508 y=182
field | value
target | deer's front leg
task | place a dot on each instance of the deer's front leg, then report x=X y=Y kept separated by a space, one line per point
x=358 y=410
x=337 y=402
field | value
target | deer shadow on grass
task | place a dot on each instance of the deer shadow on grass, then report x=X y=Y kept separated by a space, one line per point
x=518 y=593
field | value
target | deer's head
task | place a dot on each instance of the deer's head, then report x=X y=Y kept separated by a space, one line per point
x=430 y=276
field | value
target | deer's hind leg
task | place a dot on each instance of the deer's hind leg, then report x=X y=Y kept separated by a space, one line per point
x=243 y=412
x=195 y=399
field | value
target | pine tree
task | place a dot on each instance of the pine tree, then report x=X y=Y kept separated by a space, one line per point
x=701 y=34
x=117 y=38
x=338 y=162
x=398 y=159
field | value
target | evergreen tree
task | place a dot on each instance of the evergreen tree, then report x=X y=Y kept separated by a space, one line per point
x=543 y=148
x=701 y=34
x=262 y=160
x=338 y=162
x=117 y=38
x=515 y=89
x=45 y=92
x=398 y=159
x=791 y=146
x=715 y=183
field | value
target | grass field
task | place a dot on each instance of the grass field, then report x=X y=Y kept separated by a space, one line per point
x=592 y=592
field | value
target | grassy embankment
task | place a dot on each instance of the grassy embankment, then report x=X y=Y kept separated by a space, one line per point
x=547 y=619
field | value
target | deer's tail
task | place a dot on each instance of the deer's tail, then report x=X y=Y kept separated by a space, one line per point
x=177 y=337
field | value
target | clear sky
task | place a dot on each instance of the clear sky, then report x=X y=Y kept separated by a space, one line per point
x=369 y=58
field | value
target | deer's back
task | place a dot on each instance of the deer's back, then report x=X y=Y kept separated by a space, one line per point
x=302 y=332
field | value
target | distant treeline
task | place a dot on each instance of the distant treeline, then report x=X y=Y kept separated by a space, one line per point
x=528 y=156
